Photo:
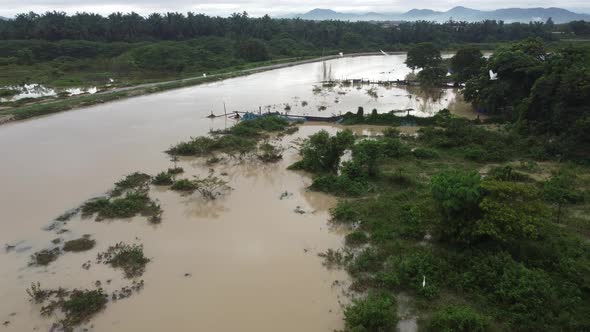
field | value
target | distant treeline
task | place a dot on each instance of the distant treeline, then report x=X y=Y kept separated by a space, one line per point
x=132 y=27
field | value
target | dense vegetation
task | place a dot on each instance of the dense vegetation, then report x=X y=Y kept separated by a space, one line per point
x=477 y=252
x=462 y=216
x=85 y=48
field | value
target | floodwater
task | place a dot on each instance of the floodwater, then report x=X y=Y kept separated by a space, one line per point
x=251 y=261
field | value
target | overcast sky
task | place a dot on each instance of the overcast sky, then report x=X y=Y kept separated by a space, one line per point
x=9 y=8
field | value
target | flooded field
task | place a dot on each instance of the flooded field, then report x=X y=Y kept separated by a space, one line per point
x=246 y=261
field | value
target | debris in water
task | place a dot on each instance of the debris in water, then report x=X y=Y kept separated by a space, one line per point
x=299 y=210
x=285 y=194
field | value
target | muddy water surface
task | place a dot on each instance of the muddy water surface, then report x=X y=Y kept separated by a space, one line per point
x=251 y=261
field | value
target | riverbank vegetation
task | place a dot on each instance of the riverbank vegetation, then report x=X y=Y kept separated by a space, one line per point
x=467 y=217
x=474 y=241
x=124 y=50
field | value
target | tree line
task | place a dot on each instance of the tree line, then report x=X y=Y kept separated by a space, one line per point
x=132 y=27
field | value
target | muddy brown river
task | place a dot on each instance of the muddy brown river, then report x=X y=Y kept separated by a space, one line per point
x=243 y=262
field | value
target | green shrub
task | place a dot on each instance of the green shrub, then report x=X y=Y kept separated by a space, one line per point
x=321 y=152
x=457 y=319
x=375 y=313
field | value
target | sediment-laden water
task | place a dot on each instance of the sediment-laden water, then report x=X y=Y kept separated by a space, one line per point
x=243 y=262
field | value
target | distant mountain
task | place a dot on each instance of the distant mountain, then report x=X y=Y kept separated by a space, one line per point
x=459 y=13
x=3 y=18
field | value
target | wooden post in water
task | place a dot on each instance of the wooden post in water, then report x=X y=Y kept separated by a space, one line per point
x=224 y=110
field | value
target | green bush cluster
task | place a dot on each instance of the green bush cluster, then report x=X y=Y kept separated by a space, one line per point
x=132 y=204
x=241 y=138
x=130 y=258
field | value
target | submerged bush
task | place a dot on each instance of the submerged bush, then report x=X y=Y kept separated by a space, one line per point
x=81 y=305
x=183 y=185
x=77 y=306
x=45 y=256
x=132 y=204
x=175 y=170
x=269 y=153
x=82 y=244
x=241 y=138
x=130 y=258
x=210 y=187
x=163 y=179
x=376 y=312
x=135 y=180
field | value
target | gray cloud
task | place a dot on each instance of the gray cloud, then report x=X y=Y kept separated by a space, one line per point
x=260 y=7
